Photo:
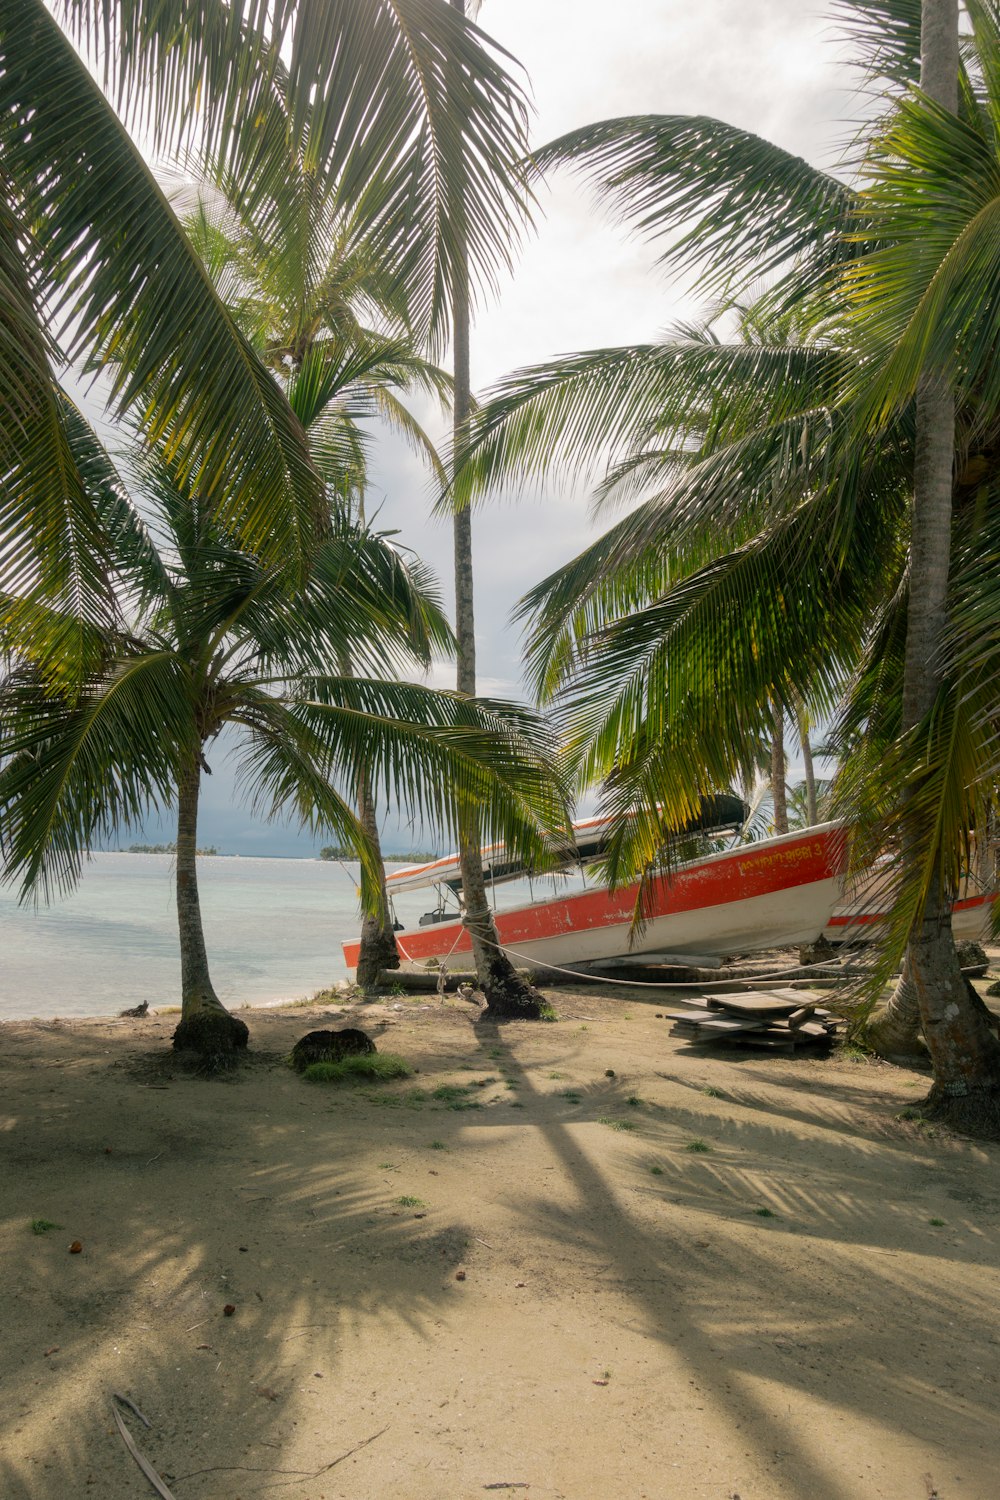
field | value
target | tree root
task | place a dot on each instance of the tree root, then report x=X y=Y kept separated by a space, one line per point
x=975 y=1113
x=511 y=998
x=212 y=1040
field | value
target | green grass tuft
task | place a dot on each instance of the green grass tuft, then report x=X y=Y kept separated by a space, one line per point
x=656 y=1171
x=42 y=1226
x=697 y=1146
x=438 y=1146
x=407 y=1200
x=378 y=1065
x=938 y=1223
x=765 y=1213
x=616 y=1124
x=713 y=1093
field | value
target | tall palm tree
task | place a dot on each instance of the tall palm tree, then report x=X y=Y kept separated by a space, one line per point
x=210 y=635
x=798 y=471
x=507 y=994
x=96 y=270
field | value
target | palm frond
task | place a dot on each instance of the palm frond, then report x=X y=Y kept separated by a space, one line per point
x=66 y=777
x=442 y=757
x=735 y=207
x=132 y=295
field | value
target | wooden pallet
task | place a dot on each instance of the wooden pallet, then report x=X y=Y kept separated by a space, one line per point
x=785 y=1020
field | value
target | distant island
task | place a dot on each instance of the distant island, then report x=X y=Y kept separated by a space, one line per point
x=162 y=849
x=413 y=857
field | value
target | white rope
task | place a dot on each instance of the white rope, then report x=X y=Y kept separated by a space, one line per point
x=647 y=984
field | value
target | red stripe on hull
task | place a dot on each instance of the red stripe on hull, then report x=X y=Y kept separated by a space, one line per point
x=738 y=875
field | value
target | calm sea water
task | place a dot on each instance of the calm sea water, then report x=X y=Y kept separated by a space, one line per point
x=273 y=927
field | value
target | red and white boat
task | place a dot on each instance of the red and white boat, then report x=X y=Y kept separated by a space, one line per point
x=770 y=894
x=855 y=922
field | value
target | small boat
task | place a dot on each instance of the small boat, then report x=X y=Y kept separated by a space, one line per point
x=774 y=893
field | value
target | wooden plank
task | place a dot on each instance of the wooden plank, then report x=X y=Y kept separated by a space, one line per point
x=755 y=1003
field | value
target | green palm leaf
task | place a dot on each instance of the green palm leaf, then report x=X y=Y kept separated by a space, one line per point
x=735 y=207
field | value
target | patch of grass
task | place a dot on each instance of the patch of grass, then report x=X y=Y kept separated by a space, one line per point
x=546 y=1013
x=378 y=1065
x=515 y=1103
x=407 y=1200
x=497 y=1052
x=334 y=995
x=712 y=1093
x=572 y=1096
x=465 y=1104
x=387 y=1166
x=656 y=1171
x=438 y=1146
x=557 y=1075
x=616 y=1124
x=853 y=1052
x=511 y=1083
x=697 y=1146
x=447 y=1092
x=938 y=1223
x=911 y=1112
x=634 y=1100
x=765 y=1213
x=397 y=989
x=43 y=1226
x=412 y=1099
x=583 y=1028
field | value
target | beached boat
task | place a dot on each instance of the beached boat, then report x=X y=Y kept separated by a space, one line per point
x=753 y=896
x=855 y=921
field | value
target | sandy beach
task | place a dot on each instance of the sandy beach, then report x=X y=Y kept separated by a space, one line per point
x=514 y=1273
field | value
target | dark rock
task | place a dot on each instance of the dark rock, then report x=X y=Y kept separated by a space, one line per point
x=330 y=1046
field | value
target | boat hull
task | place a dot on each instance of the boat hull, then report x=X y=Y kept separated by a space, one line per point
x=778 y=892
x=971 y=921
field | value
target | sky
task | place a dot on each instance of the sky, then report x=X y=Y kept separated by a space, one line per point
x=770 y=66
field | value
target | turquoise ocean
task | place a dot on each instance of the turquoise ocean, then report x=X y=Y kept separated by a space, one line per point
x=273 y=926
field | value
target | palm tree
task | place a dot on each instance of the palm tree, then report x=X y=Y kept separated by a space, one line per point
x=507 y=994
x=98 y=272
x=305 y=295
x=210 y=635
x=787 y=471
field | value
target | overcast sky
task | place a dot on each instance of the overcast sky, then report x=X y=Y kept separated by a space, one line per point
x=770 y=66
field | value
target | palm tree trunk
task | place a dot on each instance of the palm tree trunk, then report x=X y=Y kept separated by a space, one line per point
x=378 y=941
x=964 y=1052
x=779 y=793
x=802 y=720
x=507 y=994
x=206 y=1027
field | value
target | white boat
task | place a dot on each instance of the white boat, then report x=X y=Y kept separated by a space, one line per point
x=855 y=922
x=774 y=893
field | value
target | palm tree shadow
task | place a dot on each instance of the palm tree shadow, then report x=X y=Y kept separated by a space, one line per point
x=684 y=1306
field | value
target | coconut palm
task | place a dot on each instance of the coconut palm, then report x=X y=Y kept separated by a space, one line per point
x=508 y=995
x=209 y=635
x=96 y=270
x=783 y=473
x=332 y=325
